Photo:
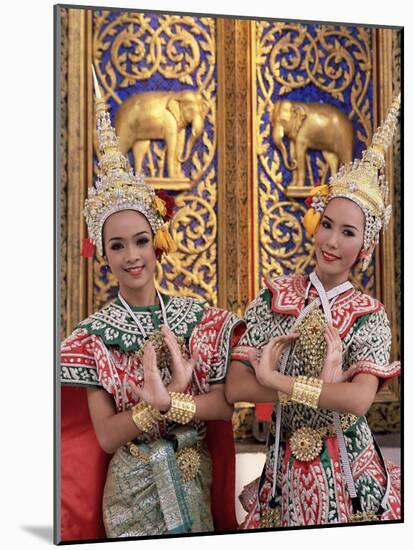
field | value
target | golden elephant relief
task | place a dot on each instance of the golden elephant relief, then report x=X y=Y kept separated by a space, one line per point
x=311 y=126
x=161 y=115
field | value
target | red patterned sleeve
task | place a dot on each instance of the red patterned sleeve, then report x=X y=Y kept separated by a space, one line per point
x=256 y=327
x=77 y=361
x=213 y=338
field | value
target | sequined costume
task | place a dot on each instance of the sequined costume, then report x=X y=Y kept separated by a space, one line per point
x=162 y=482
x=312 y=490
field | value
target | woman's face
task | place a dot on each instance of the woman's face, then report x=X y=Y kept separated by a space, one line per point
x=130 y=254
x=338 y=240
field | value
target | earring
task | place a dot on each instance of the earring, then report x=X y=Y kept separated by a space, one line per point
x=105 y=269
x=366 y=260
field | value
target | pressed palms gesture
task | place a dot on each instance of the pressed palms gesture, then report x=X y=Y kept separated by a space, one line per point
x=181 y=368
x=153 y=391
x=332 y=369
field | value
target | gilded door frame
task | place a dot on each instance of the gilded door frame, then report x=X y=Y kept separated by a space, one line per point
x=236 y=172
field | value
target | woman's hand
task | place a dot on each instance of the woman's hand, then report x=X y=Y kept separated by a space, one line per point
x=332 y=369
x=181 y=369
x=153 y=391
x=266 y=368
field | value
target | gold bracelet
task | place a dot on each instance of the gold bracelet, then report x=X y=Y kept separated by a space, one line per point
x=143 y=417
x=182 y=409
x=307 y=391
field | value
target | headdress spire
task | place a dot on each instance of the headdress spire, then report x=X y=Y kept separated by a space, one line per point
x=118 y=188
x=363 y=182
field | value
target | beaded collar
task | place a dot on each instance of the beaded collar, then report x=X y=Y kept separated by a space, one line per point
x=115 y=326
x=289 y=294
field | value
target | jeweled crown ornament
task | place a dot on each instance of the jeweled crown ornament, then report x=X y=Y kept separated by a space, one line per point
x=362 y=181
x=117 y=188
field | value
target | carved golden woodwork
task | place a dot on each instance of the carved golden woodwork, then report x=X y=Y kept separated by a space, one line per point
x=229 y=227
x=161 y=115
x=235 y=154
x=73 y=176
x=385 y=417
x=63 y=162
x=178 y=49
x=310 y=126
x=193 y=269
x=288 y=57
x=137 y=47
x=396 y=87
x=385 y=413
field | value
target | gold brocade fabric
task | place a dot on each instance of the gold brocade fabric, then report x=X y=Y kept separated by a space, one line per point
x=131 y=502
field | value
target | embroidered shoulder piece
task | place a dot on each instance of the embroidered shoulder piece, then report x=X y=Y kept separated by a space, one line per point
x=288 y=294
x=115 y=327
x=288 y=297
x=350 y=306
x=212 y=339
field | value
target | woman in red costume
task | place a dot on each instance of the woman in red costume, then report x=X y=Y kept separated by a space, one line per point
x=141 y=379
x=319 y=349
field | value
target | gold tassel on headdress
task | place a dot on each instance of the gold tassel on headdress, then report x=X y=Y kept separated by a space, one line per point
x=159 y=205
x=316 y=203
x=311 y=221
x=163 y=240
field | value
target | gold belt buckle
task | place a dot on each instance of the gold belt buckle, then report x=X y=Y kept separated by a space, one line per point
x=306 y=444
x=188 y=459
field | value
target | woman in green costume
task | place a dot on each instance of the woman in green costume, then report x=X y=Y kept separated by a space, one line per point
x=153 y=367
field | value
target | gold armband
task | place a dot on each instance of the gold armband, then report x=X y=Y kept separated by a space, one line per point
x=307 y=391
x=182 y=409
x=142 y=415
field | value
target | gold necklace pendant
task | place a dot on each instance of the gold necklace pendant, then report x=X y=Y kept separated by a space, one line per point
x=311 y=344
x=162 y=352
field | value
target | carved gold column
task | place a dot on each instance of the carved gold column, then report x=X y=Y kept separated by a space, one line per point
x=234 y=150
x=62 y=184
x=385 y=413
x=76 y=305
x=234 y=142
x=397 y=177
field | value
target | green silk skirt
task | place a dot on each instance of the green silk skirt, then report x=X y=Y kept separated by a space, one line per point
x=146 y=498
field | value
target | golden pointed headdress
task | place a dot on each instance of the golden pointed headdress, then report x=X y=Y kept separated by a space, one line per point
x=363 y=182
x=118 y=188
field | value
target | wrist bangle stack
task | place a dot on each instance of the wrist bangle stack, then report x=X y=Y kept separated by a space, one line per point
x=307 y=391
x=142 y=415
x=182 y=409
